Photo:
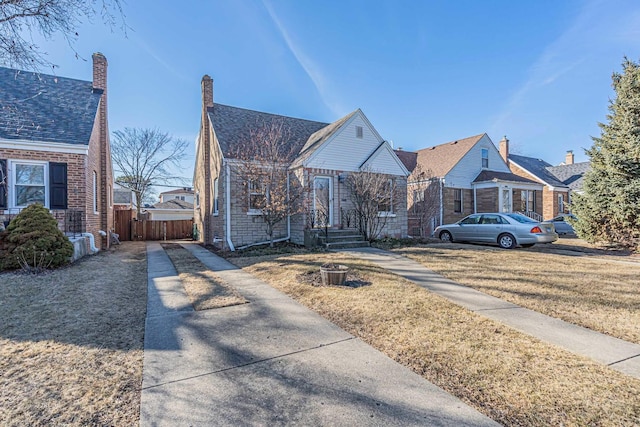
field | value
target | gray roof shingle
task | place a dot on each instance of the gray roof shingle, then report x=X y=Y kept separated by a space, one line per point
x=40 y=107
x=537 y=167
x=234 y=125
x=571 y=175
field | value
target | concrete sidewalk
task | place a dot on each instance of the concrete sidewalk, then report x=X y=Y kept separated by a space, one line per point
x=271 y=362
x=620 y=355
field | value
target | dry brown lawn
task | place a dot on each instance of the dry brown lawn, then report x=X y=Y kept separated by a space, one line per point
x=205 y=288
x=71 y=342
x=513 y=378
x=596 y=290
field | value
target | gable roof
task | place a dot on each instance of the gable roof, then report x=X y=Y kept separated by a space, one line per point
x=179 y=191
x=233 y=125
x=440 y=159
x=408 y=158
x=173 y=204
x=538 y=168
x=571 y=175
x=487 y=175
x=44 y=108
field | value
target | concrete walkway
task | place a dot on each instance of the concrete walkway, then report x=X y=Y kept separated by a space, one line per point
x=620 y=355
x=271 y=362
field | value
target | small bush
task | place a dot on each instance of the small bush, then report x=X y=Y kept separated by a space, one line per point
x=33 y=241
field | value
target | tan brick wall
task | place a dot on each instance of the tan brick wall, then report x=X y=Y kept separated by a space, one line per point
x=487 y=200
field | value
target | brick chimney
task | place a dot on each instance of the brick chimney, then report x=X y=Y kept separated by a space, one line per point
x=206 y=202
x=569 y=159
x=207 y=91
x=504 y=149
x=105 y=178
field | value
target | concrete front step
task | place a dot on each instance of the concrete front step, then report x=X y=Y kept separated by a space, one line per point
x=340 y=238
x=347 y=245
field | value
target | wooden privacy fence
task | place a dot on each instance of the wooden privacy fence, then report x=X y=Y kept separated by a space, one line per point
x=131 y=229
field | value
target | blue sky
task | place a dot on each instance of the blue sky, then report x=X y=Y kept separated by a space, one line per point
x=424 y=72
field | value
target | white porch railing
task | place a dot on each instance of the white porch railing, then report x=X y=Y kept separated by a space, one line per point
x=532 y=215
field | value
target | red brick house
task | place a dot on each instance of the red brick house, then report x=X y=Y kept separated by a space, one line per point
x=326 y=153
x=559 y=181
x=462 y=177
x=54 y=149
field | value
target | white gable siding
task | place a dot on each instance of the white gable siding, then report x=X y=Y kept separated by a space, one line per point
x=470 y=165
x=385 y=161
x=343 y=151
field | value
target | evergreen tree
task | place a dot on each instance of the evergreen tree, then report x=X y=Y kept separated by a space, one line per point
x=609 y=208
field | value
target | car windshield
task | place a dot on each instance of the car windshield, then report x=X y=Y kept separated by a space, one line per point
x=521 y=218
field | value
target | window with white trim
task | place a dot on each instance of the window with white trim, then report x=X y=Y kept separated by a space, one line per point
x=528 y=200
x=485 y=158
x=257 y=196
x=457 y=200
x=30 y=183
x=385 y=199
x=560 y=203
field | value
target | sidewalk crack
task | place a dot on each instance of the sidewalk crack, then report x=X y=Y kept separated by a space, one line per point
x=250 y=363
x=623 y=360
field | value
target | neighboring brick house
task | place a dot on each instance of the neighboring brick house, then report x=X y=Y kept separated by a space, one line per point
x=54 y=148
x=469 y=176
x=327 y=154
x=559 y=181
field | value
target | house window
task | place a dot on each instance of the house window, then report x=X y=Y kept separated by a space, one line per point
x=457 y=200
x=385 y=199
x=29 y=183
x=359 y=132
x=95 y=192
x=560 y=203
x=485 y=158
x=528 y=200
x=109 y=197
x=257 y=196
x=215 y=196
x=197 y=200
x=418 y=198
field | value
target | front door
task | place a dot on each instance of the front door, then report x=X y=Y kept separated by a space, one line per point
x=506 y=200
x=323 y=201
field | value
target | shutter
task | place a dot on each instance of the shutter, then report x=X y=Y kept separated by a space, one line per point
x=4 y=184
x=57 y=186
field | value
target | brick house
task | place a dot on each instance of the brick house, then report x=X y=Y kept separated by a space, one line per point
x=326 y=154
x=559 y=181
x=54 y=149
x=463 y=177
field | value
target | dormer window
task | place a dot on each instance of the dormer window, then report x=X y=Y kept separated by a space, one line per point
x=359 y=132
x=485 y=158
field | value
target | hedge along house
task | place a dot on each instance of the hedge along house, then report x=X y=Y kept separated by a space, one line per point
x=54 y=150
x=325 y=155
x=470 y=177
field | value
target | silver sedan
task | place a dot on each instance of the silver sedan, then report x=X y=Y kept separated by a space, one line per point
x=508 y=230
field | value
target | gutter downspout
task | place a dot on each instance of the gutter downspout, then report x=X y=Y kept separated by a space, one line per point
x=441 y=202
x=289 y=213
x=228 y=207
x=475 y=199
x=92 y=245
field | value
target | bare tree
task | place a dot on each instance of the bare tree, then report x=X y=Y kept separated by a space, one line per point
x=374 y=197
x=145 y=157
x=263 y=168
x=423 y=199
x=21 y=19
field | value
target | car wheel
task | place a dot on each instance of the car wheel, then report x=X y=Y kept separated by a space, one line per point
x=445 y=236
x=527 y=245
x=506 y=241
